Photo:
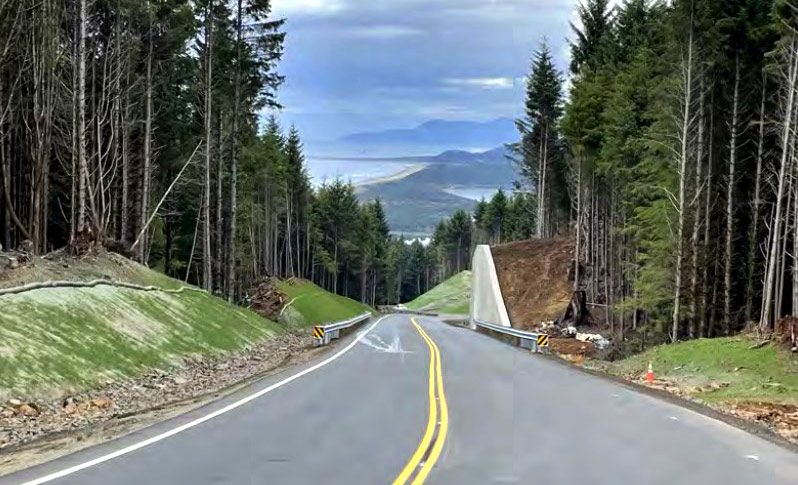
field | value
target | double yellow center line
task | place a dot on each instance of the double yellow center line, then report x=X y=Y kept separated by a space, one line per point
x=432 y=442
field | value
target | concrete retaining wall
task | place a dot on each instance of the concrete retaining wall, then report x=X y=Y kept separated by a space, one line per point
x=487 y=304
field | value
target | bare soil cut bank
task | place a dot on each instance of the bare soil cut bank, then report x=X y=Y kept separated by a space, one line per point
x=534 y=279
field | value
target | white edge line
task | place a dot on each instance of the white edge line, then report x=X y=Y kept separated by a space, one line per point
x=207 y=417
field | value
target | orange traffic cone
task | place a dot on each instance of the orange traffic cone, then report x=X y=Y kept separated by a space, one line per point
x=650 y=373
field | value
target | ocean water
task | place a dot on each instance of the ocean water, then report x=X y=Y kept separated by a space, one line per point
x=357 y=171
x=473 y=193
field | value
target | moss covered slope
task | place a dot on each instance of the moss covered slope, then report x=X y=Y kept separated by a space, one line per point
x=720 y=369
x=57 y=340
x=451 y=296
x=310 y=305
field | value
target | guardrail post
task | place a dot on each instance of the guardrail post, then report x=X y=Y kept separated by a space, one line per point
x=323 y=334
x=536 y=342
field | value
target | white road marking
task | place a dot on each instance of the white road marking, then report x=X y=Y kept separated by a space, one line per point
x=674 y=418
x=207 y=417
x=752 y=457
x=376 y=342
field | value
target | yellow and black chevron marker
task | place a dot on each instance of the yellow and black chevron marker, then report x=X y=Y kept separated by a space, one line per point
x=318 y=332
x=543 y=340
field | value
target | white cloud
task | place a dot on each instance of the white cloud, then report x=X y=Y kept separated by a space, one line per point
x=481 y=82
x=318 y=7
x=385 y=31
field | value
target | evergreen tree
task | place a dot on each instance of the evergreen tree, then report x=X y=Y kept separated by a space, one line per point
x=542 y=162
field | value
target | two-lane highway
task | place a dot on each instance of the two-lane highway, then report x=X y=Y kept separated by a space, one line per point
x=425 y=402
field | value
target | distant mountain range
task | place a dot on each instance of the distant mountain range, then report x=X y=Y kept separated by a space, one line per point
x=459 y=156
x=430 y=137
x=415 y=203
x=454 y=133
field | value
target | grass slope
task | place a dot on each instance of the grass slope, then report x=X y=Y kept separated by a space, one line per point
x=60 y=340
x=311 y=305
x=765 y=374
x=451 y=296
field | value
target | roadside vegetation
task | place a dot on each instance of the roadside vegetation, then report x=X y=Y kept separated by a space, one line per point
x=310 y=305
x=451 y=296
x=56 y=340
x=726 y=369
x=740 y=376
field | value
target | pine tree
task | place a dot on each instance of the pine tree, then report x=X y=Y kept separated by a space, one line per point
x=542 y=161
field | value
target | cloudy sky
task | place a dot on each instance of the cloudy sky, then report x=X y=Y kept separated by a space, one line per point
x=361 y=65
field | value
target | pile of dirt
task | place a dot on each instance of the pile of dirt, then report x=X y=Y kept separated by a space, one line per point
x=781 y=418
x=536 y=279
x=266 y=300
x=572 y=350
x=23 y=420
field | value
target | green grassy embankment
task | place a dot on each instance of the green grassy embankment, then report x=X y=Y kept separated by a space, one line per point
x=451 y=296
x=719 y=370
x=310 y=305
x=56 y=340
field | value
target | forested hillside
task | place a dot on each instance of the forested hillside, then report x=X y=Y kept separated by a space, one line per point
x=668 y=155
x=671 y=160
x=134 y=124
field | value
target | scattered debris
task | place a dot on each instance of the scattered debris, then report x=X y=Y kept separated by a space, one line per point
x=266 y=300
x=759 y=345
x=596 y=339
x=781 y=418
x=571 y=349
x=536 y=279
x=569 y=331
x=14 y=259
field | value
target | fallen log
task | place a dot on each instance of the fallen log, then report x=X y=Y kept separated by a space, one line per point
x=91 y=284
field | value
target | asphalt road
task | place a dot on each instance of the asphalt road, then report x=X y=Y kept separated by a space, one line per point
x=361 y=414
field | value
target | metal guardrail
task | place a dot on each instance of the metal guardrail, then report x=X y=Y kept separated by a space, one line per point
x=323 y=334
x=536 y=342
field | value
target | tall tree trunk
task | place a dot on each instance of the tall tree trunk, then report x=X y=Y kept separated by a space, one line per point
x=753 y=237
x=578 y=242
x=782 y=254
x=683 y=155
x=125 y=160
x=145 y=176
x=83 y=167
x=786 y=144
x=219 y=259
x=542 y=213
x=695 y=239
x=207 y=276
x=794 y=276
x=702 y=308
x=231 y=266
x=728 y=254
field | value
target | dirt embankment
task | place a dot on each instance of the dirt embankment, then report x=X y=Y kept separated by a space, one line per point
x=80 y=355
x=534 y=278
x=729 y=375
